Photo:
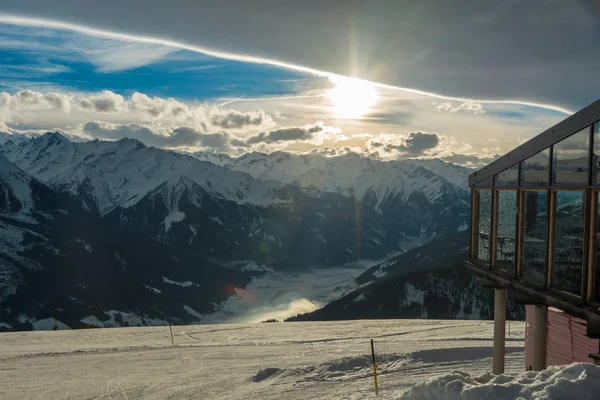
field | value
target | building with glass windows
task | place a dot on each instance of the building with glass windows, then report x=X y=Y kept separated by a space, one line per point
x=535 y=230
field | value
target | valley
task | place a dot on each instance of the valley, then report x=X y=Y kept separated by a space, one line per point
x=117 y=233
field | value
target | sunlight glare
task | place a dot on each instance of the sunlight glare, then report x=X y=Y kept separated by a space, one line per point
x=351 y=98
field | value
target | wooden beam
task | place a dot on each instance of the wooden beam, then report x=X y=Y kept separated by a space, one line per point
x=570 y=304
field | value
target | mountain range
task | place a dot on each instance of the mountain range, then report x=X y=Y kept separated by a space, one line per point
x=114 y=233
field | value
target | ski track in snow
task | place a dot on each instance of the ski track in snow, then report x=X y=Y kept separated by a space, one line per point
x=306 y=360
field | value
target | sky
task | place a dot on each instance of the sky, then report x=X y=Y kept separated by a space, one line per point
x=459 y=80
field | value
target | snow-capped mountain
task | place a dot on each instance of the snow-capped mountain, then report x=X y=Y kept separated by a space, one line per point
x=425 y=197
x=390 y=204
x=427 y=282
x=113 y=174
x=97 y=229
x=352 y=174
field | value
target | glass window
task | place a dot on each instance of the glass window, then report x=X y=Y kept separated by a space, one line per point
x=508 y=177
x=568 y=242
x=506 y=237
x=534 y=170
x=596 y=155
x=534 y=236
x=571 y=159
x=484 y=224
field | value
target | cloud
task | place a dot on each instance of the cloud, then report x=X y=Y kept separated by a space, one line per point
x=233 y=119
x=106 y=54
x=105 y=101
x=157 y=107
x=419 y=142
x=32 y=69
x=316 y=132
x=195 y=68
x=39 y=101
x=116 y=55
x=413 y=144
x=39 y=111
x=470 y=107
x=332 y=152
x=161 y=136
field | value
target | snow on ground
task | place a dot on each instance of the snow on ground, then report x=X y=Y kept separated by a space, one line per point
x=153 y=289
x=193 y=312
x=254 y=267
x=575 y=381
x=328 y=360
x=114 y=318
x=182 y=284
x=174 y=216
x=282 y=294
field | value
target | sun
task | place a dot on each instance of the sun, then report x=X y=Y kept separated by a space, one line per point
x=351 y=98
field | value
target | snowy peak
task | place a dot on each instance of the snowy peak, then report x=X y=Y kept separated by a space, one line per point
x=455 y=174
x=355 y=176
x=113 y=174
x=214 y=158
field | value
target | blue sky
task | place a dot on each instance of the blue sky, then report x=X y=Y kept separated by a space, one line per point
x=221 y=92
x=36 y=57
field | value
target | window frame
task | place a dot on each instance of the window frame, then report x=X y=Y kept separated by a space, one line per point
x=521 y=260
x=583 y=293
x=554 y=160
x=495 y=225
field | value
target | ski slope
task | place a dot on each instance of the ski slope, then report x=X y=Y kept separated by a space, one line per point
x=327 y=360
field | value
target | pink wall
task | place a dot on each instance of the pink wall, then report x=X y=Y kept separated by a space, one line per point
x=567 y=341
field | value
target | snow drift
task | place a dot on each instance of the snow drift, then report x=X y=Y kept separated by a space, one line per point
x=579 y=381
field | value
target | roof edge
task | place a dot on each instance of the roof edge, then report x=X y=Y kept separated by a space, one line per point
x=563 y=129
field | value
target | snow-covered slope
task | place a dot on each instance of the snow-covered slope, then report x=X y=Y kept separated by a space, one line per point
x=15 y=190
x=292 y=361
x=453 y=173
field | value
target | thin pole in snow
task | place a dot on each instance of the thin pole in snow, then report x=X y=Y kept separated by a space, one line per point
x=374 y=368
x=171 y=330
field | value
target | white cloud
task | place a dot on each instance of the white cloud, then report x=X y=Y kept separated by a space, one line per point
x=111 y=55
x=387 y=146
x=471 y=107
x=107 y=54
x=158 y=135
x=29 y=109
x=333 y=152
x=105 y=101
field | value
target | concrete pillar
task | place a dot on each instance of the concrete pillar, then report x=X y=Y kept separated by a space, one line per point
x=499 y=330
x=540 y=335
